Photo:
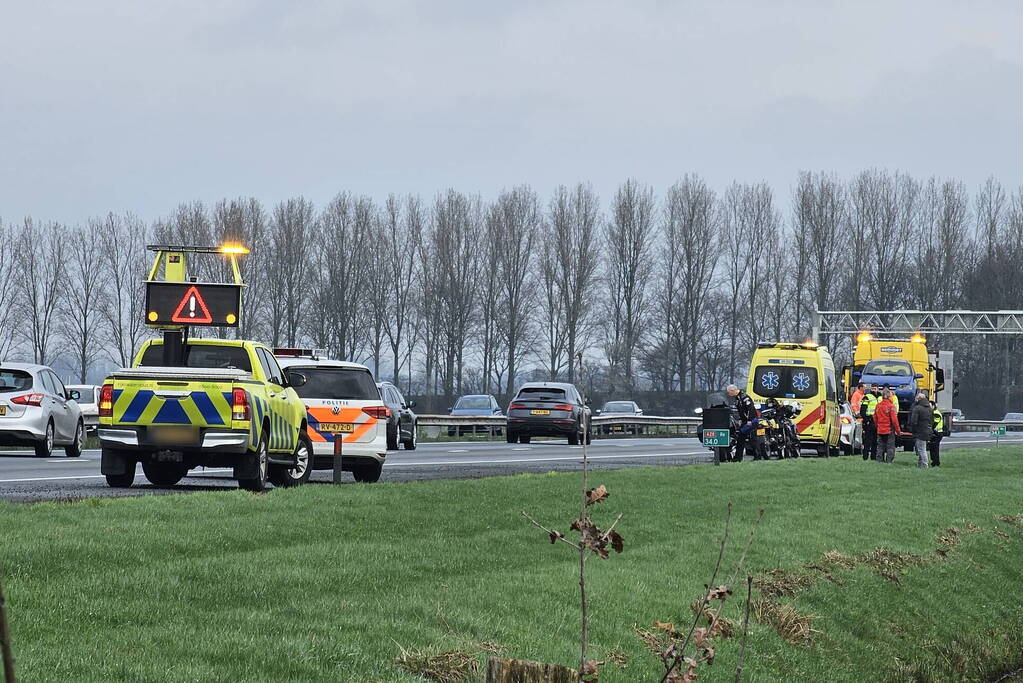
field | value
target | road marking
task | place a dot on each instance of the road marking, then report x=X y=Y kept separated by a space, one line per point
x=89 y=476
x=547 y=459
x=66 y=461
x=463 y=450
x=527 y=448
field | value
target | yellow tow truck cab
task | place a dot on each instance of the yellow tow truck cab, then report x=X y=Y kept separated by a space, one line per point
x=228 y=405
x=800 y=373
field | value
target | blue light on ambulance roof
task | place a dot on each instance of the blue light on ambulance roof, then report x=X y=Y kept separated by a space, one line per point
x=786 y=361
x=790 y=395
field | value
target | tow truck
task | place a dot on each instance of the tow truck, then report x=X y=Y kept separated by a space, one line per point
x=908 y=367
x=188 y=403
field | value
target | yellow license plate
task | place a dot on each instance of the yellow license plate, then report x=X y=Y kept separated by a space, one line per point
x=3 y=410
x=337 y=427
x=540 y=412
x=179 y=436
x=761 y=432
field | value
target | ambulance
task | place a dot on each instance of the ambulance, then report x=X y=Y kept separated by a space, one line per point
x=344 y=412
x=805 y=374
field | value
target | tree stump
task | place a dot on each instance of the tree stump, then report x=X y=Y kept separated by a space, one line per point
x=523 y=671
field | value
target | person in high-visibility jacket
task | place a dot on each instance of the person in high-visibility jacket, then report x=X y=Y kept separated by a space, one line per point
x=856 y=397
x=934 y=445
x=868 y=404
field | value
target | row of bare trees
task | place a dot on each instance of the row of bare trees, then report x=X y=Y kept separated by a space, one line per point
x=666 y=290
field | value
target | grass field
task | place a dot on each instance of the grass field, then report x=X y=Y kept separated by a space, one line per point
x=330 y=583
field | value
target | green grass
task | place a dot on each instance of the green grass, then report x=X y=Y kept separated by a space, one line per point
x=329 y=583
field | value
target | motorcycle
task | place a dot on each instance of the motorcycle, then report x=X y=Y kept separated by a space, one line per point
x=777 y=435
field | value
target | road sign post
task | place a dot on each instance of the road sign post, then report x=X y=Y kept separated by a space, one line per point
x=997 y=431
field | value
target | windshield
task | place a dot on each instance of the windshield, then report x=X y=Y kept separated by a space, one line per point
x=889 y=368
x=781 y=381
x=325 y=382
x=542 y=394
x=473 y=403
x=211 y=356
x=15 y=380
x=1013 y=417
x=618 y=407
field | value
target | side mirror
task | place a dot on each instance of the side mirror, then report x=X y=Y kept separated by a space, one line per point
x=73 y=395
x=918 y=376
x=450 y=408
x=296 y=379
x=597 y=411
x=411 y=404
x=698 y=411
x=639 y=411
x=588 y=402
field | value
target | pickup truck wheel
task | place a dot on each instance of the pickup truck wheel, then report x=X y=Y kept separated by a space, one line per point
x=282 y=475
x=367 y=472
x=164 y=474
x=258 y=484
x=392 y=438
x=75 y=448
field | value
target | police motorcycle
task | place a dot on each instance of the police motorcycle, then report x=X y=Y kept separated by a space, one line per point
x=776 y=432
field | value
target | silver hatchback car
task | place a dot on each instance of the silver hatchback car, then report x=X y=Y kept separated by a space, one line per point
x=37 y=411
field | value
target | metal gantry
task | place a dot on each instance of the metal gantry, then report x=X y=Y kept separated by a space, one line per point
x=910 y=322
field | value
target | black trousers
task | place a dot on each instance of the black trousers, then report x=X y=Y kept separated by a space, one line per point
x=742 y=442
x=869 y=440
x=934 y=449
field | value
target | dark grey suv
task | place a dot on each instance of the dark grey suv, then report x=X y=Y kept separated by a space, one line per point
x=401 y=426
x=548 y=409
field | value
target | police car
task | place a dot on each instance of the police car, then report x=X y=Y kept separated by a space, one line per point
x=345 y=413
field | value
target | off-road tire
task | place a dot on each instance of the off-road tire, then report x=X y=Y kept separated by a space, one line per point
x=74 y=449
x=286 y=477
x=44 y=448
x=367 y=472
x=164 y=474
x=258 y=484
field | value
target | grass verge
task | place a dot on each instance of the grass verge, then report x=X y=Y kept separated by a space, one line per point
x=858 y=575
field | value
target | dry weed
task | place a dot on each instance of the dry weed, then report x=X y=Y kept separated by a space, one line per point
x=454 y=666
x=780 y=583
x=890 y=564
x=787 y=621
x=1015 y=520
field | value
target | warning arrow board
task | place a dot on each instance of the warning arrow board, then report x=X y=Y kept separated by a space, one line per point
x=192 y=303
x=192 y=310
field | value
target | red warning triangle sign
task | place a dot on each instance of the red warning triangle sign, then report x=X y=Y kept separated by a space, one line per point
x=192 y=309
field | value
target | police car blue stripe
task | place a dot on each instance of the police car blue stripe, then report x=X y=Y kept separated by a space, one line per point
x=209 y=412
x=138 y=404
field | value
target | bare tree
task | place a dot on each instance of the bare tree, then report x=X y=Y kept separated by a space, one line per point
x=44 y=275
x=291 y=229
x=737 y=234
x=569 y=265
x=628 y=243
x=404 y=221
x=940 y=246
x=124 y=265
x=379 y=286
x=83 y=296
x=820 y=221
x=10 y=310
x=244 y=222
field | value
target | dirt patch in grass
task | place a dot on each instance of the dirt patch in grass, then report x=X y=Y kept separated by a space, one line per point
x=780 y=583
x=453 y=666
x=791 y=624
x=891 y=564
x=1015 y=520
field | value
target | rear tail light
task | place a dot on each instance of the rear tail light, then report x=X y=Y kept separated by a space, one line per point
x=518 y=406
x=239 y=405
x=562 y=406
x=106 y=401
x=28 y=400
x=824 y=412
x=846 y=420
x=378 y=412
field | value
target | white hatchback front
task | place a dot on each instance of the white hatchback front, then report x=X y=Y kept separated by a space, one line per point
x=344 y=413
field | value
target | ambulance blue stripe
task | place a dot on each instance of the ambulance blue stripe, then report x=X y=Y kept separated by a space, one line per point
x=205 y=405
x=171 y=412
x=138 y=404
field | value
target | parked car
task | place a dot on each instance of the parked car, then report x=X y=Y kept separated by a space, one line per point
x=37 y=410
x=1013 y=417
x=548 y=409
x=621 y=409
x=88 y=401
x=401 y=426
x=957 y=415
x=474 y=404
x=851 y=438
x=343 y=404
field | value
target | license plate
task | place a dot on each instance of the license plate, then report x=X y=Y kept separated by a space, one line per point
x=540 y=412
x=616 y=428
x=761 y=432
x=3 y=410
x=180 y=436
x=337 y=427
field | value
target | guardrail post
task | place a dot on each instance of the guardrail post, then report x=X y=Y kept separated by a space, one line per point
x=338 y=473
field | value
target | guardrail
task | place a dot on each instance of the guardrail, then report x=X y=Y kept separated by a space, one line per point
x=437 y=426
x=984 y=425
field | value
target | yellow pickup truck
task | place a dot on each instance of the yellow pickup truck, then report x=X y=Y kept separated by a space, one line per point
x=228 y=405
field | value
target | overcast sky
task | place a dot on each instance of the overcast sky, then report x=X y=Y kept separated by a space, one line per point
x=138 y=106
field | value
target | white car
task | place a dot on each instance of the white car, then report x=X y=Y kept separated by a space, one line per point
x=851 y=438
x=344 y=412
x=88 y=401
x=37 y=411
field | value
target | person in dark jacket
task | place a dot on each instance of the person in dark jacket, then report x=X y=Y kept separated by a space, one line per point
x=921 y=423
x=934 y=446
x=747 y=433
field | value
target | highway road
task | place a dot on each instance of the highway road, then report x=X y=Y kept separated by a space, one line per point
x=24 y=478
